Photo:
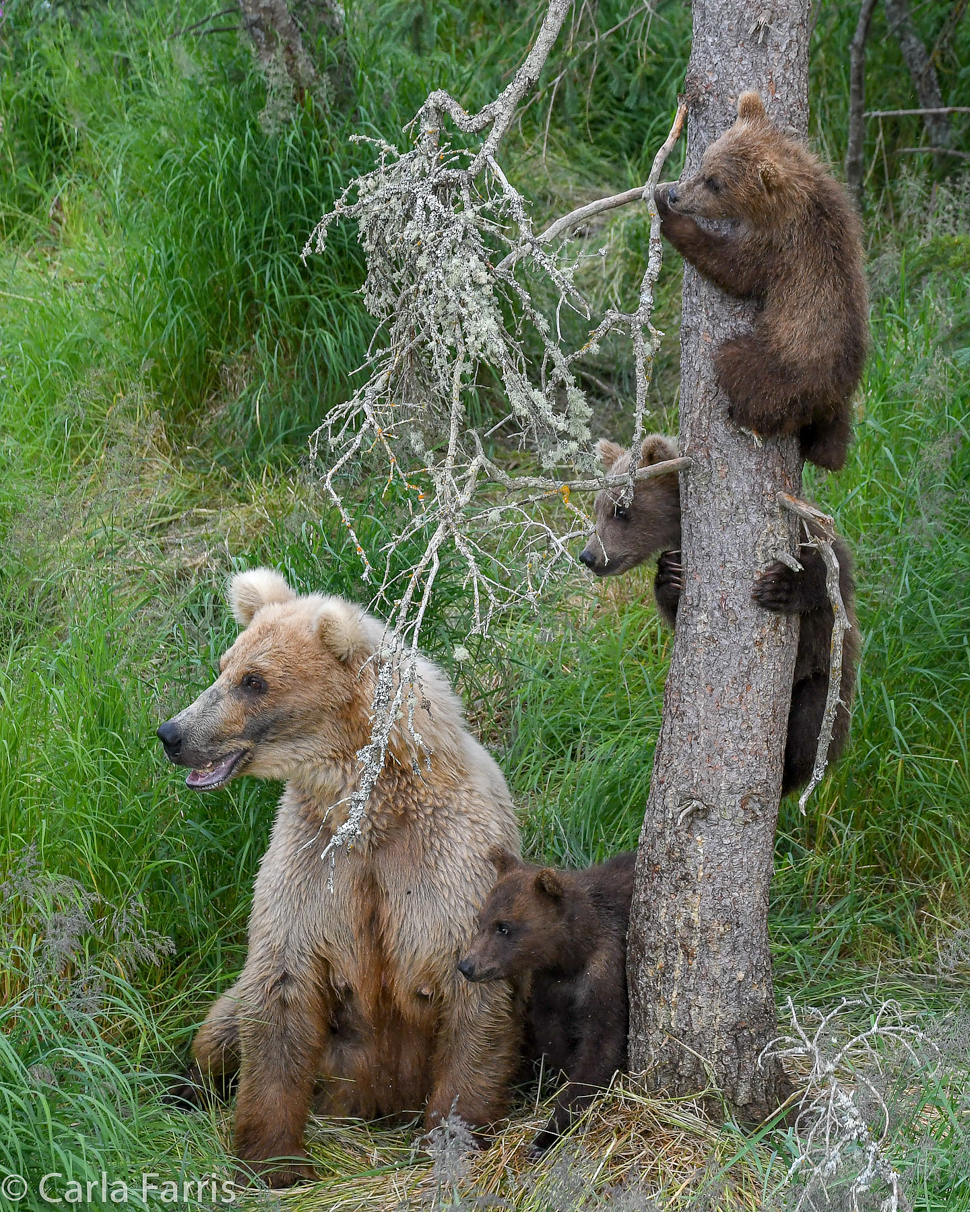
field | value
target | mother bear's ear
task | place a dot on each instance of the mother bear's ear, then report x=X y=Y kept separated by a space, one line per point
x=341 y=628
x=251 y=591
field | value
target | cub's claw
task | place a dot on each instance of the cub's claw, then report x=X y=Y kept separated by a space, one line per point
x=774 y=589
x=669 y=570
x=755 y=437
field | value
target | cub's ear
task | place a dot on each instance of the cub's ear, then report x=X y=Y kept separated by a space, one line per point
x=751 y=107
x=608 y=452
x=341 y=628
x=657 y=448
x=502 y=860
x=549 y=884
x=769 y=174
x=251 y=591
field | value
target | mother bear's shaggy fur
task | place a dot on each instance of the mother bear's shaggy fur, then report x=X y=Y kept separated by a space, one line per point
x=350 y=1000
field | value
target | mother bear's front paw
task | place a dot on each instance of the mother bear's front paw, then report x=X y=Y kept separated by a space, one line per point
x=276 y=1174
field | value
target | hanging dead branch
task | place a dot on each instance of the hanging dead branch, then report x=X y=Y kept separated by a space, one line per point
x=936 y=151
x=840 y=625
x=453 y=267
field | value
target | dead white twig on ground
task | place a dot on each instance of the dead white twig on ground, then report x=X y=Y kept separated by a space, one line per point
x=840 y=625
x=832 y=1135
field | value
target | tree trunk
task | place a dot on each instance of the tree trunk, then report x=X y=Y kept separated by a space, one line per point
x=276 y=37
x=855 y=165
x=921 y=68
x=702 y=997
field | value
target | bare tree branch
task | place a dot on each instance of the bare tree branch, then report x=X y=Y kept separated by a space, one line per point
x=937 y=151
x=903 y=113
x=643 y=473
x=189 y=29
x=499 y=113
x=949 y=25
x=838 y=1150
x=574 y=51
x=582 y=213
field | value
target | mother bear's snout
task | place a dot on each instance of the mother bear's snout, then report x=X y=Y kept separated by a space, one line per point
x=170 y=734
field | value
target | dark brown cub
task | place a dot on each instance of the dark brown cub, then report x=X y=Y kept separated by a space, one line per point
x=794 y=244
x=561 y=936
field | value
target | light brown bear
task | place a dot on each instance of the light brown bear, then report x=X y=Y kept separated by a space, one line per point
x=650 y=525
x=350 y=1001
x=795 y=246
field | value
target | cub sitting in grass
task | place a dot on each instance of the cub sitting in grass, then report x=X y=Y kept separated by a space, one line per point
x=626 y=537
x=350 y=1001
x=796 y=248
x=561 y=937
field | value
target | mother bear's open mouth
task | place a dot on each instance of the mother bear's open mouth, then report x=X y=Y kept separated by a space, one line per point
x=214 y=774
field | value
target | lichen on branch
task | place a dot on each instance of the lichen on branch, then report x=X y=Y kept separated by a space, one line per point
x=453 y=263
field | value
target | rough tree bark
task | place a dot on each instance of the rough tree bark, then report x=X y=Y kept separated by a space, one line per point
x=921 y=68
x=702 y=997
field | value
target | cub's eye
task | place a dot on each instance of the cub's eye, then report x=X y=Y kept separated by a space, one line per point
x=501 y=928
x=619 y=511
x=253 y=682
x=713 y=184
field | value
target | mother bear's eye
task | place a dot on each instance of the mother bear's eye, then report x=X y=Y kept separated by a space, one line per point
x=713 y=184
x=501 y=928
x=621 y=513
x=253 y=682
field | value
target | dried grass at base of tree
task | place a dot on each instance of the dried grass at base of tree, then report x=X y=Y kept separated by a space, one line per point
x=628 y=1152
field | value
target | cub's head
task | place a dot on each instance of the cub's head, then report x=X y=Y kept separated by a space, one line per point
x=288 y=692
x=519 y=926
x=748 y=175
x=626 y=537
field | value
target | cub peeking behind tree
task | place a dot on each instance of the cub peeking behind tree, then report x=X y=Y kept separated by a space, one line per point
x=796 y=248
x=560 y=936
x=650 y=525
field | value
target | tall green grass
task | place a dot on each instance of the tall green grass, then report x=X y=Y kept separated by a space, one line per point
x=163 y=354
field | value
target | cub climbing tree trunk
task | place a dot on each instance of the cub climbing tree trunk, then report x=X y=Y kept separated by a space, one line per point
x=702 y=998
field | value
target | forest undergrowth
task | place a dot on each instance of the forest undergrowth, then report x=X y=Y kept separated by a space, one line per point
x=163 y=356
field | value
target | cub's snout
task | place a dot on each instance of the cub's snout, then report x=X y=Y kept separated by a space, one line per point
x=665 y=196
x=469 y=970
